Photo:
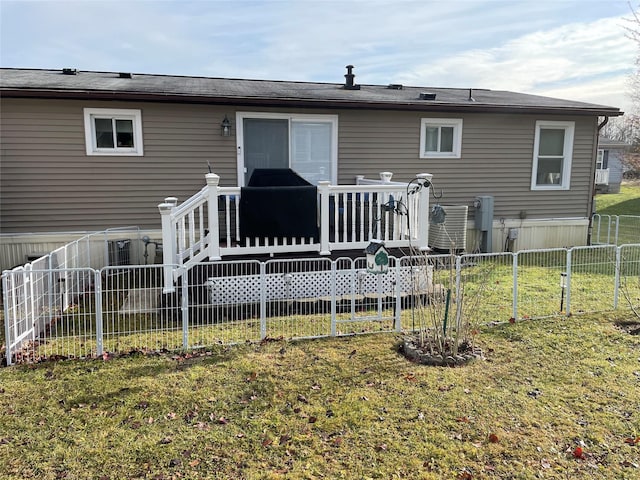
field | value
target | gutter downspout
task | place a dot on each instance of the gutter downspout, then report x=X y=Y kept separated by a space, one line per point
x=593 y=180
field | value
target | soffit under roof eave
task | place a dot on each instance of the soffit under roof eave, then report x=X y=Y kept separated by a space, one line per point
x=302 y=102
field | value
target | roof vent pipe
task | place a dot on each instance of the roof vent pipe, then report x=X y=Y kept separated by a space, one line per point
x=69 y=71
x=349 y=84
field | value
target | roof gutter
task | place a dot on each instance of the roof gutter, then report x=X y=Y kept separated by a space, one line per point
x=604 y=122
x=300 y=102
x=592 y=207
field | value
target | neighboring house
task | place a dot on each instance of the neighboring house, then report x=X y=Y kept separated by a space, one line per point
x=609 y=165
x=85 y=151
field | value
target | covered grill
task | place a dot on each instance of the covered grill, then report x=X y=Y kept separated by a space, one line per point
x=278 y=203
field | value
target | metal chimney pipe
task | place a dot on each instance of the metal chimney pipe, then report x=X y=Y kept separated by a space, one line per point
x=349 y=76
x=349 y=84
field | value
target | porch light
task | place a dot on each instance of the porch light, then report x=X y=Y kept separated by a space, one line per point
x=226 y=127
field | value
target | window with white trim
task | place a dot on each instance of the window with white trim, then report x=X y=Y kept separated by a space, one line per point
x=110 y=131
x=602 y=160
x=440 y=137
x=552 y=154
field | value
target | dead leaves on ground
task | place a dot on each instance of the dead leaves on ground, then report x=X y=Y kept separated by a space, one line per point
x=633 y=441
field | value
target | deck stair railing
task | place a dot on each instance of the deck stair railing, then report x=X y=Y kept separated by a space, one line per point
x=207 y=225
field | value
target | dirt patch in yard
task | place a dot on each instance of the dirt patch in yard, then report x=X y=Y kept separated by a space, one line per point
x=630 y=327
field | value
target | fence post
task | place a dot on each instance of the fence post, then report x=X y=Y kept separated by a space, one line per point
x=617 y=228
x=334 y=302
x=184 y=310
x=514 y=314
x=99 y=320
x=77 y=256
x=457 y=297
x=65 y=279
x=423 y=209
x=32 y=302
x=616 y=286
x=398 y=319
x=168 y=243
x=323 y=188
x=263 y=300
x=568 y=307
x=213 y=181
x=7 y=319
x=51 y=289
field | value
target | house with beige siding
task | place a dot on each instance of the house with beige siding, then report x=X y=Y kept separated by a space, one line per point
x=86 y=151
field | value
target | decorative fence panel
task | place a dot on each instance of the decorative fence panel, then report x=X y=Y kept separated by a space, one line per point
x=66 y=312
x=484 y=276
x=539 y=279
x=593 y=278
x=628 y=270
x=49 y=313
x=616 y=229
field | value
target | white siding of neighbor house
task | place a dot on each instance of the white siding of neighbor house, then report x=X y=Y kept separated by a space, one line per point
x=615 y=170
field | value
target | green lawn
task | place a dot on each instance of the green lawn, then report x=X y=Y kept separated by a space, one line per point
x=336 y=408
x=627 y=202
x=348 y=407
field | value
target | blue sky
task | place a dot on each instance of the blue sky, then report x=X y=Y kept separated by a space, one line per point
x=563 y=48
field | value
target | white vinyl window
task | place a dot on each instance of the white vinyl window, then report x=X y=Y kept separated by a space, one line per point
x=113 y=131
x=552 y=153
x=440 y=137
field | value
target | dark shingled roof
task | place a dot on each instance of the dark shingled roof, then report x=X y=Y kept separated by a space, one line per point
x=111 y=86
x=607 y=143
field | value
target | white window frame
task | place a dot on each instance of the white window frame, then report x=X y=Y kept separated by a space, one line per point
x=600 y=159
x=456 y=123
x=291 y=117
x=569 y=132
x=90 y=114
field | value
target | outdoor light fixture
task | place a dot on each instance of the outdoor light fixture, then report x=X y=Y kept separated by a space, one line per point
x=226 y=127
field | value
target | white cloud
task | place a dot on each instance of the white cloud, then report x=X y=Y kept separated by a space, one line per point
x=611 y=91
x=570 y=59
x=523 y=46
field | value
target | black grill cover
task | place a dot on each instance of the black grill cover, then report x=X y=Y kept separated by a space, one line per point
x=278 y=203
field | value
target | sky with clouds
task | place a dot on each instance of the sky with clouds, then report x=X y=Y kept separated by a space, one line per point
x=569 y=49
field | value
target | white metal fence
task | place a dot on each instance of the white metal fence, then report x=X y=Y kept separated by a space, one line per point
x=57 y=311
x=615 y=229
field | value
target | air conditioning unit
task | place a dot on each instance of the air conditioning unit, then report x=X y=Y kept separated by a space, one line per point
x=119 y=252
x=453 y=232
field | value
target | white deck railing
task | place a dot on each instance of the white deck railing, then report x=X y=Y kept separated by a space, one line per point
x=349 y=216
x=602 y=176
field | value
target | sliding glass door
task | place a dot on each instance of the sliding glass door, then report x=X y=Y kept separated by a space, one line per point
x=307 y=144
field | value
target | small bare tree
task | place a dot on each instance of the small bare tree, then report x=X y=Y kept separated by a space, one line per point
x=444 y=308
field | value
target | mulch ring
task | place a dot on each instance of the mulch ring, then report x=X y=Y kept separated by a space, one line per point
x=466 y=353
